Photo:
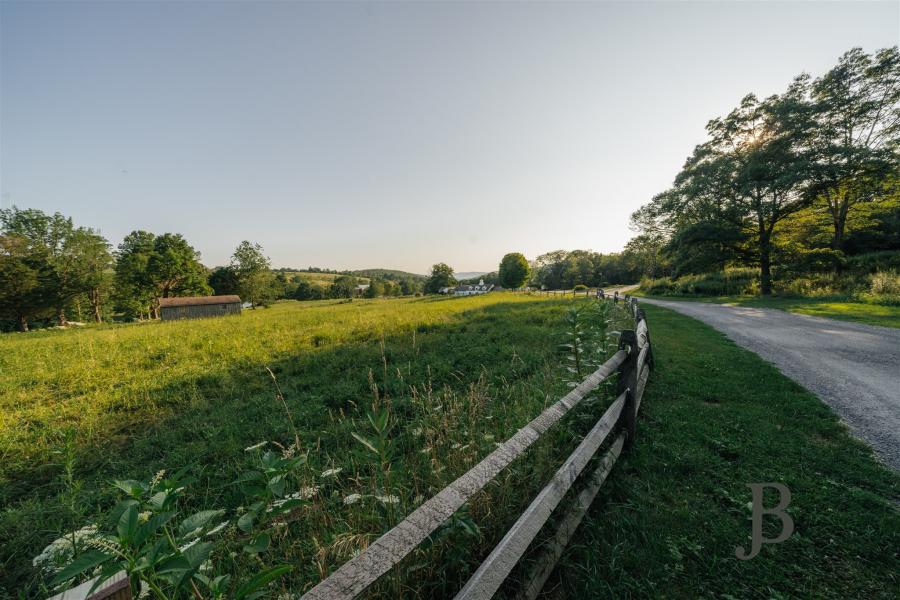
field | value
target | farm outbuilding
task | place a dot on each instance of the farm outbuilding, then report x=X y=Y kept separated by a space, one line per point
x=198 y=307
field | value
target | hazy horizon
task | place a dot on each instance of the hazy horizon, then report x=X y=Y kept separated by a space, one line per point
x=390 y=135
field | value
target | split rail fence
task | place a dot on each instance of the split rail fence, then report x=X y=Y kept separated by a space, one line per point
x=632 y=362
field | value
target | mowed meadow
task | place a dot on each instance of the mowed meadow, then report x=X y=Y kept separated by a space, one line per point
x=387 y=400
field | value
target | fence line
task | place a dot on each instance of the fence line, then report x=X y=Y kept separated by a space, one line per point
x=361 y=571
x=632 y=362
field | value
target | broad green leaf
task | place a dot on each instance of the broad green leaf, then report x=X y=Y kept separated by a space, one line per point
x=175 y=563
x=128 y=523
x=198 y=520
x=276 y=484
x=149 y=528
x=84 y=562
x=116 y=513
x=131 y=487
x=158 y=500
x=260 y=544
x=259 y=580
x=198 y=553
x=245 y=523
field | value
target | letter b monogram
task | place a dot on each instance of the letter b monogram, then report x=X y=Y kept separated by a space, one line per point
x=787 y=523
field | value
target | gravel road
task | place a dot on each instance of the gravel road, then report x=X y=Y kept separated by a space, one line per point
x=854 y=368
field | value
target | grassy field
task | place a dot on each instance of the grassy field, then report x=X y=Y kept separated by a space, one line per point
x=451 y=377
x=831 y=308
x=715 y=418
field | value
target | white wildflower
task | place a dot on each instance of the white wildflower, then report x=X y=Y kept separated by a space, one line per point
x=331 y=472
x=61 y=551
x=144 y=516
x=417 y=432
x=389 y=499
x=305 y=493
x=352 y=498
x=157 y=478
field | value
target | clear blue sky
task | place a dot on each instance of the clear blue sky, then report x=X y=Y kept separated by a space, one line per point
x=385 y=135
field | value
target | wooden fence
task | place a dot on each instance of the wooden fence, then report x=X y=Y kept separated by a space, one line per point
x=632 y=362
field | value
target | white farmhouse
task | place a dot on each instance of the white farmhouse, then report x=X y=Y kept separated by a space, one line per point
x=472 y=290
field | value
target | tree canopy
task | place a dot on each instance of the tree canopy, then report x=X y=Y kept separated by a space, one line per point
x=441 y=277
x=514 y=270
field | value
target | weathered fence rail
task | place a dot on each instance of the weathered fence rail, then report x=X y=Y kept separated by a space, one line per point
x=631 y=363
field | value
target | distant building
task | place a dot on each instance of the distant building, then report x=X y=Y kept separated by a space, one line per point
x=197 y=307
x=471 y=290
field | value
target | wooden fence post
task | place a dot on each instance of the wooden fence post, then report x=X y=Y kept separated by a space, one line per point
x=639 y=316
x=628 y=378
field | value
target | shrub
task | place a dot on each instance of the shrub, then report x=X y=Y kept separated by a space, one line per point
x=873 y=262
x=723 y=283
x=884 y=288
x=887 y=282
x=819 y=286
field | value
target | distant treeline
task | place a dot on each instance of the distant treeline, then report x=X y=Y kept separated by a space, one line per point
x=804 y=184
x=52 y=271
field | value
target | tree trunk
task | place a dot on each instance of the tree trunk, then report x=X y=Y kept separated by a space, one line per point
x=23 y=323
x=839 y=217
x=96 y=305
x=765 y=266
x=61 y=317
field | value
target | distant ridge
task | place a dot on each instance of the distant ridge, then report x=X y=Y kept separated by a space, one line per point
x=469 y=274
x=392 y=274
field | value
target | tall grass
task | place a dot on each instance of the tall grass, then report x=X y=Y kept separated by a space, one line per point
x=387 y=400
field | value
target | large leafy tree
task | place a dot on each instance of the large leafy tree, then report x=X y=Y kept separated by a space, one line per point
x=548 y=269
x=75 y=257
x=149 y=267
x=441 y=277
x=223 y=281
x=174 y=267
x=857 y=133
x=751 y=172
x=135 y=290
x=253 y=273
x=514 y=270
x=24 y=275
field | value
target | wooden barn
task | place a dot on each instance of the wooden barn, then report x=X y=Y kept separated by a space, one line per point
x=198 y=307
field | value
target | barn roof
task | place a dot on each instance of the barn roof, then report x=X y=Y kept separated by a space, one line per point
x=198 y=300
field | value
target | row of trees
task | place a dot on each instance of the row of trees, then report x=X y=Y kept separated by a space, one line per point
x=51 y=269
x=560 y=269
x=797 y=180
